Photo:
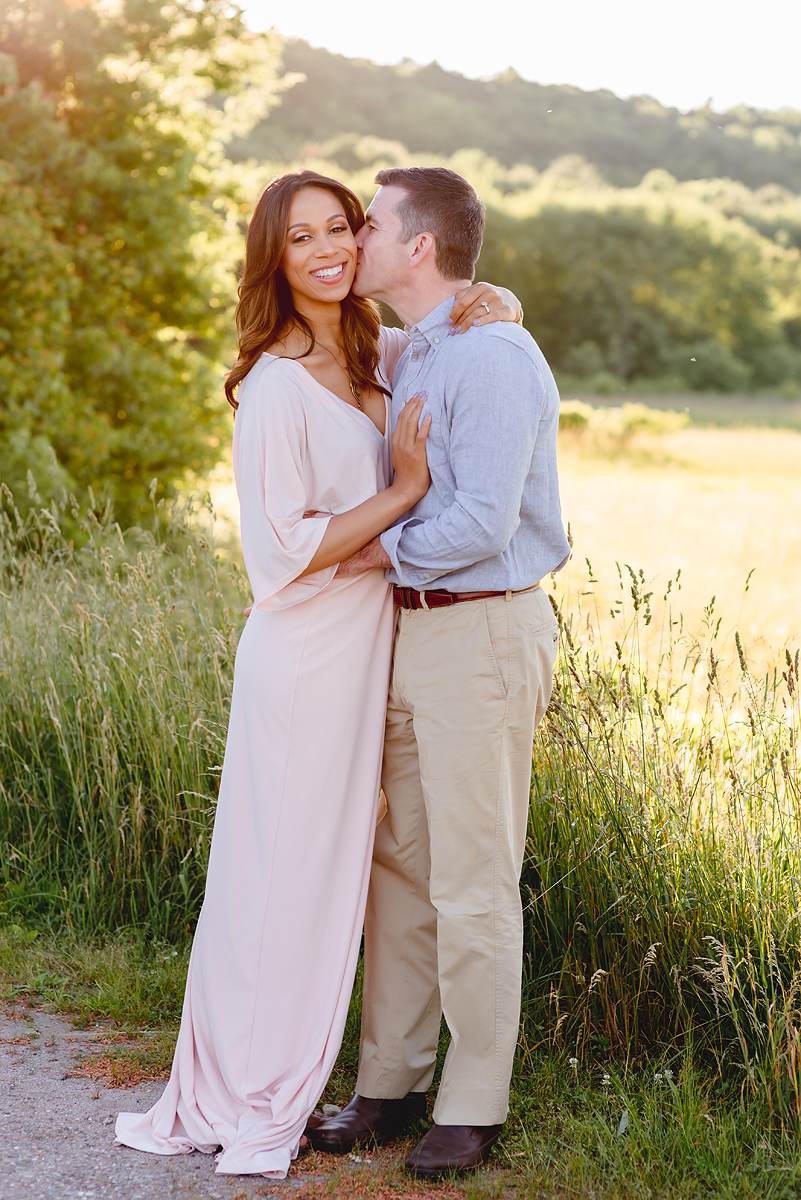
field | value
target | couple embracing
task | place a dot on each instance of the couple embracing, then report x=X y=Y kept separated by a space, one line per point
x=399 y=506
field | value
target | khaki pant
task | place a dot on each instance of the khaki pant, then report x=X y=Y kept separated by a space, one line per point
x=444 y=923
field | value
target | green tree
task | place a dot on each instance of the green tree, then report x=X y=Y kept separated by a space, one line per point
x=118 y=231
x=646 y=292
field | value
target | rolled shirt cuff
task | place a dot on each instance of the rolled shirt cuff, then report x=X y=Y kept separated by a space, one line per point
x=404 y=575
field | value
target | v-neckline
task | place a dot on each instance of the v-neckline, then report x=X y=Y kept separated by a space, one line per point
x=359 y=412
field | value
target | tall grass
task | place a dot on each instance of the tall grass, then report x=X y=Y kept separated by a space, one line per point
x=116 y=657
x=663 y=874
x=662 y=880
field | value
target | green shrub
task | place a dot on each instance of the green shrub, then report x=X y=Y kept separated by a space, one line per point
x=618 y=425
x=710 y=366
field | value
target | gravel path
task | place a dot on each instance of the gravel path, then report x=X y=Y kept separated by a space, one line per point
x=57 y=1132
x=57 y=1136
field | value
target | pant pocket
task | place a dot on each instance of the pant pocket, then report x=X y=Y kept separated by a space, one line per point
x=499 y=642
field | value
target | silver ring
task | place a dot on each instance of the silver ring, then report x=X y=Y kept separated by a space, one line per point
x=485 y=305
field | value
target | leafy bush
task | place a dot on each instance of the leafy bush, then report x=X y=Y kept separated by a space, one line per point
x=618 y=425
x=709 y=366
x=117 y=225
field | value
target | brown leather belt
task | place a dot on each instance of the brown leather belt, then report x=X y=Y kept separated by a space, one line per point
x=406 y=597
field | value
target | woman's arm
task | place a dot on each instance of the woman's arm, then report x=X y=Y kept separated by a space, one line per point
x=347 y=532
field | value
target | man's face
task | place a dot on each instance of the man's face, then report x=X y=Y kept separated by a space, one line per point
x=383 y=261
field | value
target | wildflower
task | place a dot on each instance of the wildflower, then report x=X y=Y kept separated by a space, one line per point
x=573 y=1063
x=607 y=1079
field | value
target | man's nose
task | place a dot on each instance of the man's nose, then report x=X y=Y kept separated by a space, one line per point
x=360 y=237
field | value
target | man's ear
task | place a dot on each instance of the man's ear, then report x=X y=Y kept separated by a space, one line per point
x=423 y=248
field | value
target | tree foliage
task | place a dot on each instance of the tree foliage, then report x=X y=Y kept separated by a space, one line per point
x=657 y=292
x=117 y=216
x=432 y=111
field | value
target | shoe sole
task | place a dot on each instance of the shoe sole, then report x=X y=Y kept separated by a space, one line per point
x=374 y=1139
x=434 y=1173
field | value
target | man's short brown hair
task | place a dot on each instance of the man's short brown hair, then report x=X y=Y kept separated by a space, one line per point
x=440 y=202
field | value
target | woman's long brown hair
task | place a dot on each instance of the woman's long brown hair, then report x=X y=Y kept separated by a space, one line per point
x=265 y=307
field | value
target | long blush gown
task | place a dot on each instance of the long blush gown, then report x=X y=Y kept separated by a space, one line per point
x=278 y=936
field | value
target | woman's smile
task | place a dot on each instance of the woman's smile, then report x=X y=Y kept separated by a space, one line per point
x=330 y=274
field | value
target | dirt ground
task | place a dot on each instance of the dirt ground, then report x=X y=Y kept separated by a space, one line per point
x=57 y=1113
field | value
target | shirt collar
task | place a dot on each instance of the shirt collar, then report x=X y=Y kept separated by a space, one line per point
x=435 y=324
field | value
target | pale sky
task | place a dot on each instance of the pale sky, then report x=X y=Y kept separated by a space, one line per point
x=683 y=52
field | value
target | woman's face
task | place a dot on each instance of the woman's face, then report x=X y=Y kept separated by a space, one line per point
x=319 y=260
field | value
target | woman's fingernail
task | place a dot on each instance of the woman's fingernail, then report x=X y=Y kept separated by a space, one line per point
x=450 y=322
x=476 y=322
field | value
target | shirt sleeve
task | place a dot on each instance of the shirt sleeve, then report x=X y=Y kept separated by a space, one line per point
x=494 y=403
x=278 y=542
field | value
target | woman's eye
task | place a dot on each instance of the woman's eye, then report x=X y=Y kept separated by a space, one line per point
x=338 y=229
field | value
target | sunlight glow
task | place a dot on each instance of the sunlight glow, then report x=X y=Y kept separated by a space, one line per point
x=683 y=54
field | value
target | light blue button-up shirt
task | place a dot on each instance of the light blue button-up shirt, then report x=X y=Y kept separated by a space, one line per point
x=491 y=519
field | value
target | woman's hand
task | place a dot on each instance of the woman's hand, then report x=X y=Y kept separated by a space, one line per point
x=348 y=534
x=412 y=478
x=469 y=310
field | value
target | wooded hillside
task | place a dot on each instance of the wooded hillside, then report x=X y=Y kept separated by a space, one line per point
x=434 y=111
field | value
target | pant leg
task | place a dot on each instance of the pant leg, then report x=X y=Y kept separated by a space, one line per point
x=400 y=1009
x=475 y=679
x=475 y=762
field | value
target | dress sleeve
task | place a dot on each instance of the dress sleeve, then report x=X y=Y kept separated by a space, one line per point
x=278 y=542
x=392 y=343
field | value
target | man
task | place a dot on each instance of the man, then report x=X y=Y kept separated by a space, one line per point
x=472 y=675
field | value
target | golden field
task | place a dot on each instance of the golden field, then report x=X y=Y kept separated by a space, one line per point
x=717 y=504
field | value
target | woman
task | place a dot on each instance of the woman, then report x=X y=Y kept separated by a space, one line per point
x=278 y=936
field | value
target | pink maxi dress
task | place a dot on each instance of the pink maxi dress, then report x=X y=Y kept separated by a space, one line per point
x=278 y=936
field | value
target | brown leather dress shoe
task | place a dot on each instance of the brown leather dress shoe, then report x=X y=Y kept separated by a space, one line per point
x=452 y=1150
x=365 y=1120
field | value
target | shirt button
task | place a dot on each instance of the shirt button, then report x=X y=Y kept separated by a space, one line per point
x=436 y=341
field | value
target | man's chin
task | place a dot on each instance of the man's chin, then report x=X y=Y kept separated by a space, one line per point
x=360 y=285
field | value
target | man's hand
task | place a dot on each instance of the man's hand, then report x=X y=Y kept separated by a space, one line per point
x=367 y=559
